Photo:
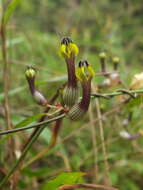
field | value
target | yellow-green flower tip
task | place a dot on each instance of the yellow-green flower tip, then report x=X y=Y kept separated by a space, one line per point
x=30 y=72
x=102 y=55
x=68 y=48
x=84 y=71
x=115 y=59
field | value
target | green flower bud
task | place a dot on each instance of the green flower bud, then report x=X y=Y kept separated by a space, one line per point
x=37 y=96
x=115 y=61
x=102 y=57
x=30 y=72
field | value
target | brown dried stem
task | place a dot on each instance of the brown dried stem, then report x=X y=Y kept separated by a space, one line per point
x=86 y=185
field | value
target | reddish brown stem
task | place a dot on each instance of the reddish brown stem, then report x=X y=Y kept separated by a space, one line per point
x=56 y=131
x=72 y=81
x=86 y=89
x=42 y=119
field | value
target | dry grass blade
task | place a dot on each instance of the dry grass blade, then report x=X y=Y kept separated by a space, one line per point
x=90 y=186
x=93 y=134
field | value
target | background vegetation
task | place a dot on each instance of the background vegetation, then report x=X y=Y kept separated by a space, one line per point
x=33 y=38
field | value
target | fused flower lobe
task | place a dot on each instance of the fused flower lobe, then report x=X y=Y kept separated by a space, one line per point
x=84 y=72
x=68 y=48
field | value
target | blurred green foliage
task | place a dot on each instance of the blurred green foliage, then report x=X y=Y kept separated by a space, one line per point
x=33 y=37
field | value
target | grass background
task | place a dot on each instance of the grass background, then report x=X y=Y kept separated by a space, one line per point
x=33 y=38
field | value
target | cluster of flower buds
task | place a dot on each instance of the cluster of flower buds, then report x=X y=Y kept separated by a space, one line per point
x=112 y=78
x=38 y=97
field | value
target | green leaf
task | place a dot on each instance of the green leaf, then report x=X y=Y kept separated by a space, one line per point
x=29 y=120
x=62 y=179
x=37 y=172
x=10 y=9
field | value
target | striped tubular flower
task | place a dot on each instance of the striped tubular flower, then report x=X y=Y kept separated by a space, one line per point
x=84 y=74
x=30 y=74
x=69 y=51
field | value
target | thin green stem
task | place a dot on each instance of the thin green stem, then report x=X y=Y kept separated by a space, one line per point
x=36 y=125
x=37 y=130
x=117 y=93
x=96 y=95
x=5 y=73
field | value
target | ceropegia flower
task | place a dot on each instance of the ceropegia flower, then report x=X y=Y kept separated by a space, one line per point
x=137 y=82
x=84 y=73
x=30 y=74
x=69 y=50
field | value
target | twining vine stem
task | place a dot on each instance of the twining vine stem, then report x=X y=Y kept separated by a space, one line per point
x=131 y=93
x=36 y=125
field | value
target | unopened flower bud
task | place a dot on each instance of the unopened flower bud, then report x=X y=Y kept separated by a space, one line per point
x=102 y=57
x=115 y=61
x=30 y=72
x=38 y=97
